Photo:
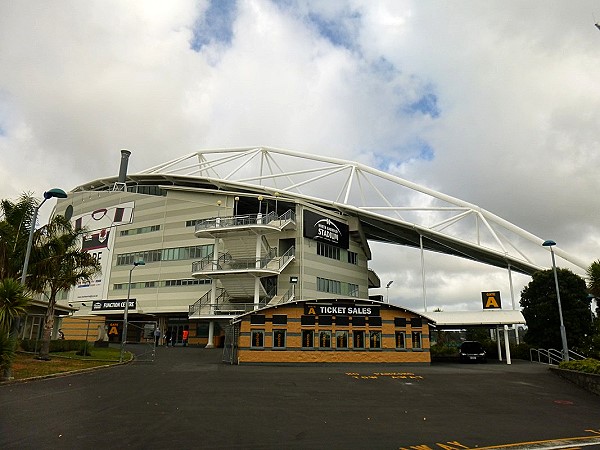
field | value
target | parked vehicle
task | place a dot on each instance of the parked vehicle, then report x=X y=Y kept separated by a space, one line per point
x=472 y=351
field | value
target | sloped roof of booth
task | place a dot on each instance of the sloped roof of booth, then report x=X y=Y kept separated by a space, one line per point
x=460 y=319
x=390 y=209
x=332 y=301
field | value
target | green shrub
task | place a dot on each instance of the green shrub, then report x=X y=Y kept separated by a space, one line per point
x=58 y=345
x=443 y=350
x=588 y=365
x=84 y=349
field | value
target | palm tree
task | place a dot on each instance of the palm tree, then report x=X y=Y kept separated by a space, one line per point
x=13 y=304
x=15 y=223
x=58 y=264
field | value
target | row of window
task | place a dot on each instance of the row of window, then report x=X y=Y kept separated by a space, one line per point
x=325 y=339
x=330 y=251
x=141 y=230
x=166 y=254
x=337 y=287
x=355 y=321
x=163 y=283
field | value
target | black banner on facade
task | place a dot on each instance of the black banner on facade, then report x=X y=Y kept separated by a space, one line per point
x=112 y=305
x=341 y=309
x=326 y=230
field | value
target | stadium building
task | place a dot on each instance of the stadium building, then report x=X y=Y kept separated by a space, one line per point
x=267 y=252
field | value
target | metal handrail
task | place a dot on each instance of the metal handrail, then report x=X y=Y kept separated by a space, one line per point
x=552 y=356
x=243 y=220
x=226 y=262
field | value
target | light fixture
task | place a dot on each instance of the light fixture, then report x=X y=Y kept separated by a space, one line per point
x=56 y=193
x=563 y=332
x=124 y=336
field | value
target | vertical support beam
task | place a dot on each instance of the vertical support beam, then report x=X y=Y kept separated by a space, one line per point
x=211 y=335
x=512 y=297
x=506 y=345
x=498 y=343
x=423 y=274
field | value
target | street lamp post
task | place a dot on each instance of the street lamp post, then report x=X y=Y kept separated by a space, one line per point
x=387 y=291
x=57 y=193
x=124 y=336
x=563 y=333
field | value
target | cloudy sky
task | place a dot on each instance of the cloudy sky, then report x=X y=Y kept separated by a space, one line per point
x=496 y=103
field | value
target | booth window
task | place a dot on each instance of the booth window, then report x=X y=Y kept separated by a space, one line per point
x=400 y=339
x=278 y=338
x=358 y=339
x=375 y=321
x=416 y=339
x=257 y=319
x=341 y=339
x=324 y=339
x=358 y=321
x=342 y=320
x=325 y=320
x=375 y=339
x=257 y=339
x=307 y=320
x=416 y=322
x=400 y=322
x=279 y=319
x=308 y=339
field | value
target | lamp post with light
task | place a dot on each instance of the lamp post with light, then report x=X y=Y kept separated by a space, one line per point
x=387 y=291
x=124 y=336
x=56 y=193
x=563 y=333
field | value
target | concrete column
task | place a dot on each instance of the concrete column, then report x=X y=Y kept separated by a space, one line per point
x=507 y=345
x=498 y=342
x=211 y=335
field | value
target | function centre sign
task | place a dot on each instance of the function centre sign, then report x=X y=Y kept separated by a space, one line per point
x=113 y=305
x=331 y=331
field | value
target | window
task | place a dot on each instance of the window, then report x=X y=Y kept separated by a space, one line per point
x=375 y=321
x=375 y=339
x=416 y=322
x=279 y=319
x=278 y=338
x=191 y=223
x=166 y=254
x=358 y=321
x=257 y=319
x=325 y=320
x=400 y=339
x=342 y=320
x=352 y=258
x=257 y=339
x=358 y=339
x=325 y=339
x=141 y=230
x=416 y=339
x=353 y=290
x=329 y=251
x=331 y=286
x=341 y=339
x=400 y=322
x=307 y=320
x=308 y=339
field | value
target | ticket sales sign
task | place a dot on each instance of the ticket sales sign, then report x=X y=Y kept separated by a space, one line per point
x=112 y=305
x=340 y=309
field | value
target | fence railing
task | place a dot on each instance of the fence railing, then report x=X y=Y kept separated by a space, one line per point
x=244 y=220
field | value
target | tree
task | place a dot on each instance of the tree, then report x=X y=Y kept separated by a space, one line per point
x=593 y=273
x=13 y=304
x=15 y=224
x=540 y=309
x=58 y=264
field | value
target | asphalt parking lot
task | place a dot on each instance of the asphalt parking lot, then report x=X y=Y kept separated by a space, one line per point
x=187 y=398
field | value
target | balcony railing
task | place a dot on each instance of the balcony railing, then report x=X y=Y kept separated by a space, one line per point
x=226 y=263
x=244 y=220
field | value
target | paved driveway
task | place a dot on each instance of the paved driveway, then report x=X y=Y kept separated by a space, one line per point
x=188 y=399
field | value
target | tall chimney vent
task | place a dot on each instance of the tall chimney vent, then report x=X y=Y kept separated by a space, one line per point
x=123 y=169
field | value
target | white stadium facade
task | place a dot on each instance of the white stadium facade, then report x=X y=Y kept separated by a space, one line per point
x=229 y=237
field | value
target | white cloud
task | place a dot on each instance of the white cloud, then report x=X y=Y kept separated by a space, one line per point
x=514 y=85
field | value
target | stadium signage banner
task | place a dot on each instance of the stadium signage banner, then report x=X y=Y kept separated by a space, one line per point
x=341 y=309
x=491 y=300
x=112 y=305
x=324 y=229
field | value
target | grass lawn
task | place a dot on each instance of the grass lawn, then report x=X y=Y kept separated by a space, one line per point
x=26 y=365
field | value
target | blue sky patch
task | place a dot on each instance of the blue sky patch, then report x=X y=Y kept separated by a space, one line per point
x=216 y=25
x=340 y=31
x=426 y=105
